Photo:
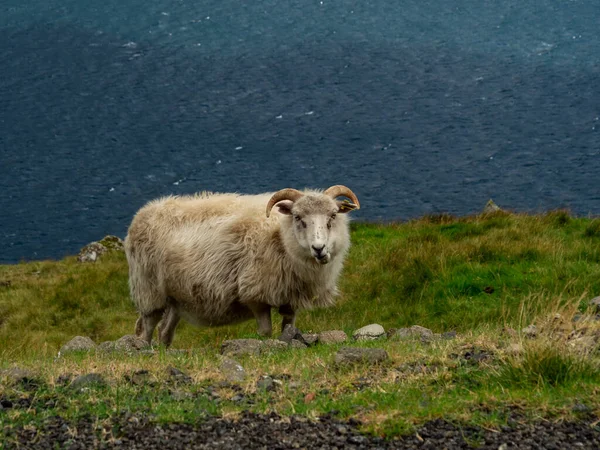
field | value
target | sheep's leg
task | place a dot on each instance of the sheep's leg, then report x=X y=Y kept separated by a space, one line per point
x=262 y=314
x=166 y=329
x=146 y=323
x=289 y=316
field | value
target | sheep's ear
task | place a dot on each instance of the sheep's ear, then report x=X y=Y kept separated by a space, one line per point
x=345 y=206
x=285 y=207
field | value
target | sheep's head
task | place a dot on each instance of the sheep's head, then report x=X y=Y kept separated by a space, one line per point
x=315 y=217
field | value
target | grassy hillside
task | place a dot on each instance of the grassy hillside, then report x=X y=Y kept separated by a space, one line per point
x=477 y=276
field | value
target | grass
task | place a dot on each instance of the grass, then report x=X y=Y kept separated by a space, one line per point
x=479 y=276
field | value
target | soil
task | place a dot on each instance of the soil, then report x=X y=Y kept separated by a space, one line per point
x=255 y=431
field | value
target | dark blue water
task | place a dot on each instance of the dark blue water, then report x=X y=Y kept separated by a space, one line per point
x=419 y=106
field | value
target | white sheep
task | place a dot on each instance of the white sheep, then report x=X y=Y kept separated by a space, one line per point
x=216 y=259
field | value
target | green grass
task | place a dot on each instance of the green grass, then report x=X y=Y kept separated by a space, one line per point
x=476 y=275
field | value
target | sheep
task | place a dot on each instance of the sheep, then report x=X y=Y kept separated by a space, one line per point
x=217 y=259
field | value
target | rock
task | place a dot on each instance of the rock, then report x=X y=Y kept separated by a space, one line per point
x=413 y=332
x=310 y=338
x=449 y=335
x=77 y=344
x=84 y=381
x=130 y=343
x=353 y=355
x=595 y=305
x=240 y=347
x=273 y=344
x=179 y=395
x=265 y=383
x=17 y=375
x=297 y=344
x=232 y=370
x=290 y=332
x=332 y=337
x=92 y=251
x=178 y=376
x=139 y=377
x=509 y=332
x=369 y=332
x=530 y=331
x=515 y=349
x=106 y=346
x=491 y=207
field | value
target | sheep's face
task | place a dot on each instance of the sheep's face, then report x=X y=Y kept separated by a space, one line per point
x=315 y=223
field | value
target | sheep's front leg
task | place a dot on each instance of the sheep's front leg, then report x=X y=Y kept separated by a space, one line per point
x=166 y=329
x=262 y=314
x=144 y=326
x=289 y=316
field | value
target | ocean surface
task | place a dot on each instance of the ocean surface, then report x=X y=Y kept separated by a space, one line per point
x=419 y=106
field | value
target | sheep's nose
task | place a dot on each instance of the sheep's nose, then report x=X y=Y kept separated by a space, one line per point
x=318 y=250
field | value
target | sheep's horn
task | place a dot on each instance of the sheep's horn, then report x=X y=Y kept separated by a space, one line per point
x=339 y=190
x=284 y=194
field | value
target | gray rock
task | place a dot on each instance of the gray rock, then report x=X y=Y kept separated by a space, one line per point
x=77 y=344
x=530 y=331
x=297 y=344
x=491 y=207
x=273 y=345
x=289 y=333
x=369 y=332
x=139 y=377
x=449 y=335
x=310 y=338
x=332 y=337
x=131 y=343
x=179 y=395
x=106 y=346
x=240 y=347
x=265 y=383
x=92 y=251
x=16 y=375
x=232 y=370
x=413 y=332
x=84 y=381
x=353 y=355
x=595 y=305
x=178 y=376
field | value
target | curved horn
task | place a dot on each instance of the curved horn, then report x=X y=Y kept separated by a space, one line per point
x=284 y=194
x=339 y=190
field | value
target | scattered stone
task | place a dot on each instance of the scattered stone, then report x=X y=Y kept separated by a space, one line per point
x=84 y=381
x=64 y=379
x=178 y=376
x=530 y=331
x=491 y=207
x=509 y=332
x=232 y=370
x=240 y=347
x=106 y=346
x=92 y=251
x=273 y=345
x=16 y=374
x=131 y=343
x=289 y=333
x=369 y=332
x=77 y=344
x=449 y=335
x=353 y=355
x=179 y=395
x=310 y=338
x=595 y=304
x=265 y=383
x=416 y=331
x=297 y=344
x=5 y=283
x=332 y=337
x=139 y=377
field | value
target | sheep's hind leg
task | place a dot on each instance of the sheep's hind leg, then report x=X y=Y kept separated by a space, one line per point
x=166 y=329
x=146 y=323
x=289 y=316
x=262 y=314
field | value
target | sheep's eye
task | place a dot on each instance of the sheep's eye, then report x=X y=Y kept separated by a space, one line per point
x=296 y=218
x=303 y=223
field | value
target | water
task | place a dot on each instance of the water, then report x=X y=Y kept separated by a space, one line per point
x=419 y=106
